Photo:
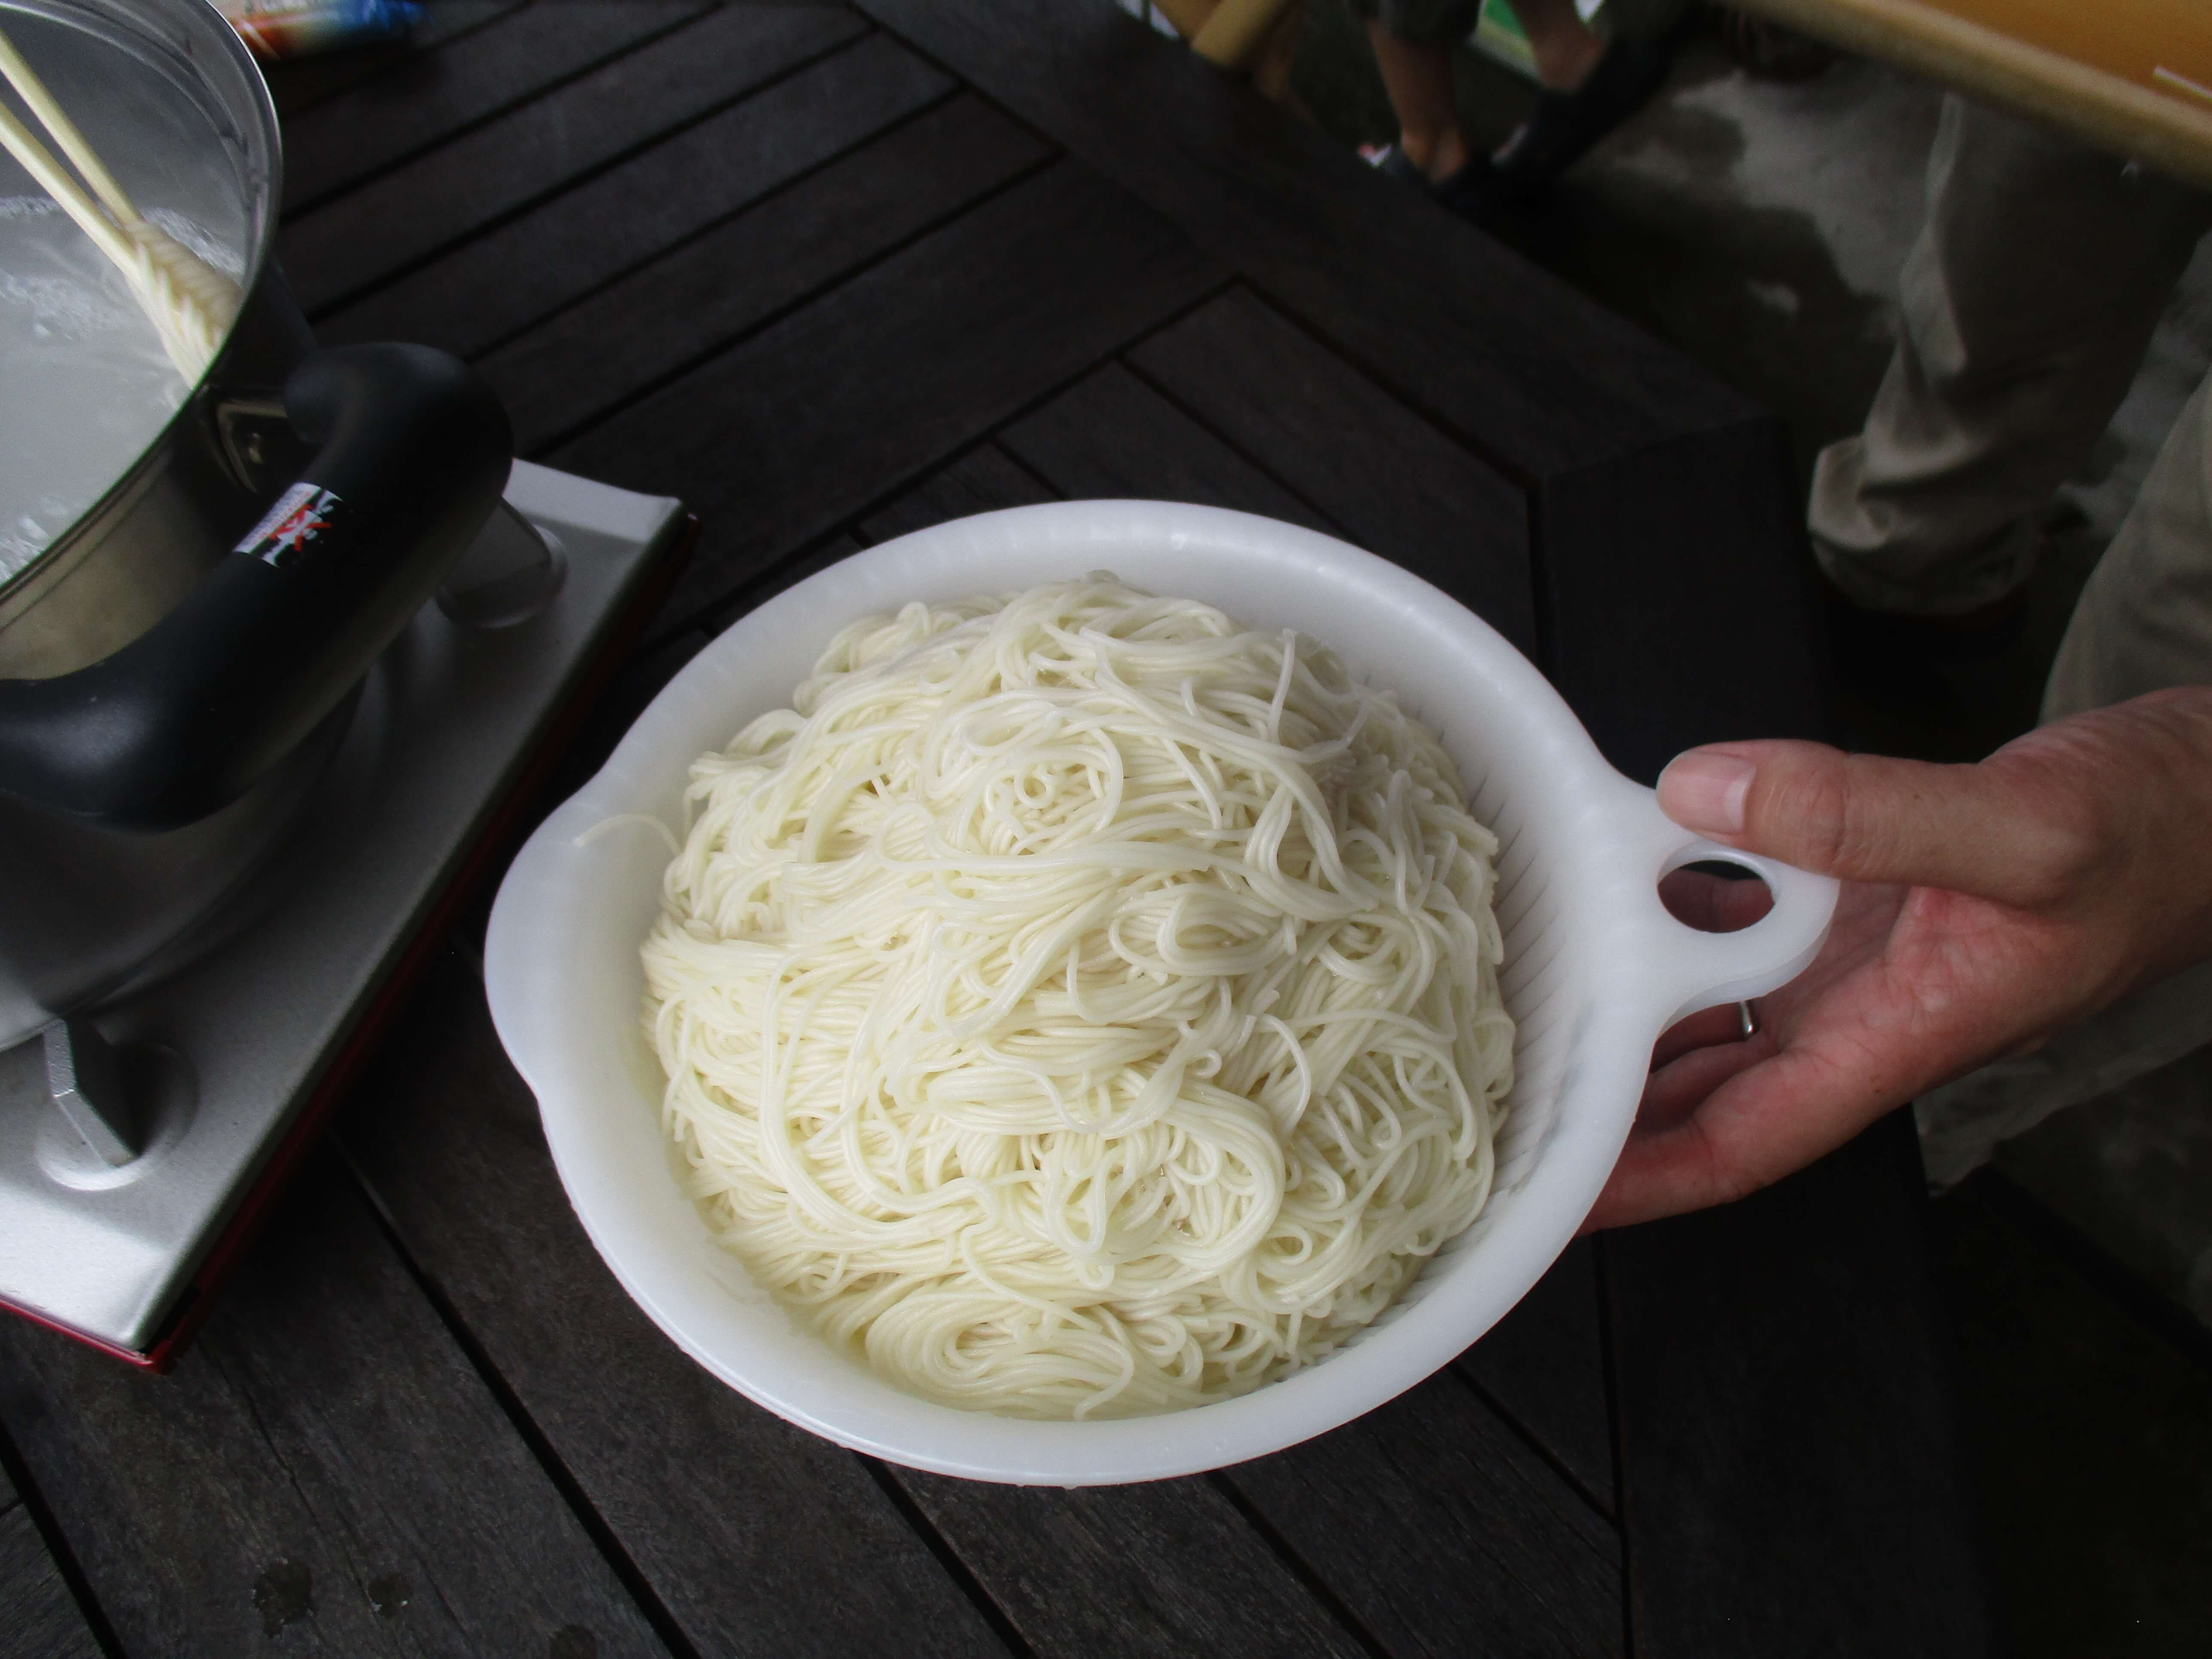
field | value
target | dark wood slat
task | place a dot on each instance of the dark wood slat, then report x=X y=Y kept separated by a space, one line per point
x=1397 y=485
x=38 y=1618
x=703 y=296
x=627 y=696
x=1544 y=1364
x=1110 y=436
x=1795 y=1487
x=1170 y=1568
x=1682 y=568
x=1445 y=1535
x=985 y=480
x=325 y=1457
x=298 y=84
x=787 y=574
x=758 y=1538
x=347 y=246
x=1538 y=377
x=493 y=287
x=431 y=95
x=800 y=428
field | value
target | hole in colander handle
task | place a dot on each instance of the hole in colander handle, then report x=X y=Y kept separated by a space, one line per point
x=1694 y=969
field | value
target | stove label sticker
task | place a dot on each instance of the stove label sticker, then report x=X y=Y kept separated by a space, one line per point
x=302 y=513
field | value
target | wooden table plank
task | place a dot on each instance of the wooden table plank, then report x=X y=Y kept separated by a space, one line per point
x=1169 y=1568
x=1795 y=1487
x=639 y=331
x=985 y=480
x=805 y=425
x=1110 y=436
x=39 y=1617
x=493 y=287
x=459 y=189
x=1543 y=1366
x=439 y=90
x=1395 y=484
x=1443 y=1535
x=755 y=1536
x=325 y=1457
x=1682 y=566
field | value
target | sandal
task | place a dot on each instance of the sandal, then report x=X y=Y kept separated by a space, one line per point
x=1566 y=123
x=1472 y=192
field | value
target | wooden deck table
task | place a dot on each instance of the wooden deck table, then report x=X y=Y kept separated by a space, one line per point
x=829 y=274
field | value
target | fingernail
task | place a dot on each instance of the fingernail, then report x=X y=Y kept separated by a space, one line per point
x=1704 y=791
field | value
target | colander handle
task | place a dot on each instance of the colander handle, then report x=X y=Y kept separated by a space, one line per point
x=1692 y=970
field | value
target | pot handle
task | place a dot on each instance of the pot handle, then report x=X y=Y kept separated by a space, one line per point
x=1693 y=969
x=413 y=451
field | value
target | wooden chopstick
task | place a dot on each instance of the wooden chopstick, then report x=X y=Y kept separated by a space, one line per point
x=64 y=131
x=58 y=182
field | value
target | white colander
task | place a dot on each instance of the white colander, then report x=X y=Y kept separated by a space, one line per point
x=1595 y=970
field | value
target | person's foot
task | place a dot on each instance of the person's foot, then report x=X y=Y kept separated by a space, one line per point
x=1565 y=124
x=1471 y=192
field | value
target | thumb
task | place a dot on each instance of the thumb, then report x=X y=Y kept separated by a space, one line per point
x=1866 y=817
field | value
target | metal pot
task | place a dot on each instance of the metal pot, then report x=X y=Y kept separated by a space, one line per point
x=176 y=667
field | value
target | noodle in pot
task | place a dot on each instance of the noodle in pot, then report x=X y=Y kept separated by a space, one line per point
x=1077 y=1004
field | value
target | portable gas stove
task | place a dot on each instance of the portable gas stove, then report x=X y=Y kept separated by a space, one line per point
x=117 y=1221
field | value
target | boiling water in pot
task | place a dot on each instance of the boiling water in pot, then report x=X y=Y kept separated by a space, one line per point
x=85 y=385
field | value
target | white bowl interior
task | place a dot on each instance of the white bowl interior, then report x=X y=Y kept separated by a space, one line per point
x=1595 y=970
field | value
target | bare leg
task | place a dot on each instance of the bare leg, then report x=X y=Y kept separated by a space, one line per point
x=1566 y=49
x=1272 y=67
x=1418 y=79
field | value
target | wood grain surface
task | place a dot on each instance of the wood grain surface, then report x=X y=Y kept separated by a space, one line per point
x=1387 y=480
x=835 y=407
x=493 y=287
x=1444 y=1533
x=640 y=333
x=756 y=1537
x=430 y=96
x=830 y=282
x=1750 y=1533
x=325 y=1457
x=459 y=189
x=1110 y=436
x=39 y=1617
x=1543 y=1367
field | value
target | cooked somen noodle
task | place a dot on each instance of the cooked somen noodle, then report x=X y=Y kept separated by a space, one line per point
x=1077 y=1004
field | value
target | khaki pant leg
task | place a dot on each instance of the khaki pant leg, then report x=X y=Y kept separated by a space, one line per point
x=2144 y=622
x=2027 y=304
x=1962 y=1123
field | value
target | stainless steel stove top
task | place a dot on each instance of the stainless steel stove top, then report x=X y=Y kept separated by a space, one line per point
x=226 y=1053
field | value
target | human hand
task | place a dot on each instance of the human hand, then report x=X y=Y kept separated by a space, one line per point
x=1984 y=907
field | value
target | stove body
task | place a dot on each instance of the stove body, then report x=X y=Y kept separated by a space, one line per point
x=230 y=1059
